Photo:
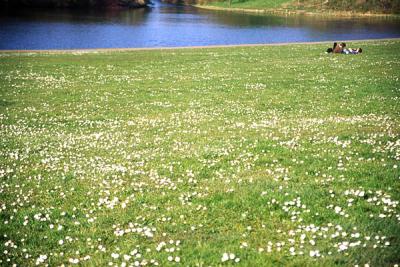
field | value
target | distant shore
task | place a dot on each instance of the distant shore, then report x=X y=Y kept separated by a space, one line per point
x=96 y=50
x=281 y=11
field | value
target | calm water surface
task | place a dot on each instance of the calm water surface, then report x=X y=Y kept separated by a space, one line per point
x=166 y=25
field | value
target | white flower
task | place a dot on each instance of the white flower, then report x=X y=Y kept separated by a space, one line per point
x=115 y=255
x=338 y=209
x=73 y=260
x=40 y=260
x=343 y=246
x=314 y=253
x=225 y=257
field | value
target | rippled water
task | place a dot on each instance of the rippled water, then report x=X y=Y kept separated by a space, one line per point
x=166 y=25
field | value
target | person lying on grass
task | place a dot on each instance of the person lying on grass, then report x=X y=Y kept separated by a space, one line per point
x=352 y=51
x=341 y=49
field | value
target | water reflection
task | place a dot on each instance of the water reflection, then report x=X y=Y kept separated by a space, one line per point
x=127 y=16
x=133 y=17
x=172 y=25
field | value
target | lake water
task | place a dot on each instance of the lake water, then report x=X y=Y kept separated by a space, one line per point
x=165 y=25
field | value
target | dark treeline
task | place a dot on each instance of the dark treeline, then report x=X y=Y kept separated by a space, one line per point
x=73 y=3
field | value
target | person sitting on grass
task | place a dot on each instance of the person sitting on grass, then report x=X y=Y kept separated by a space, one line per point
x=336 y=48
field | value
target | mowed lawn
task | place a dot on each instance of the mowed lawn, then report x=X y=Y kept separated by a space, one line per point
x=246 y=156
x=253 y=4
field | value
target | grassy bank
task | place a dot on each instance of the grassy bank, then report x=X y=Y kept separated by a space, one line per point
x=280 y=155
x=310 y=7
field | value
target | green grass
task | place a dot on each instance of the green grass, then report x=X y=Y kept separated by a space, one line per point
x=256 y=151
x=319 y=6
x=253 y=4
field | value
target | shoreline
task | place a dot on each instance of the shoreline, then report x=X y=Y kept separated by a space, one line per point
x=288 y=12
x=105 y=50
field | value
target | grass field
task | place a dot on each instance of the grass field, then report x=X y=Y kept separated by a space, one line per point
x=313 y=6
x=246 y=156
x=253 y=4
x=256 y=4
